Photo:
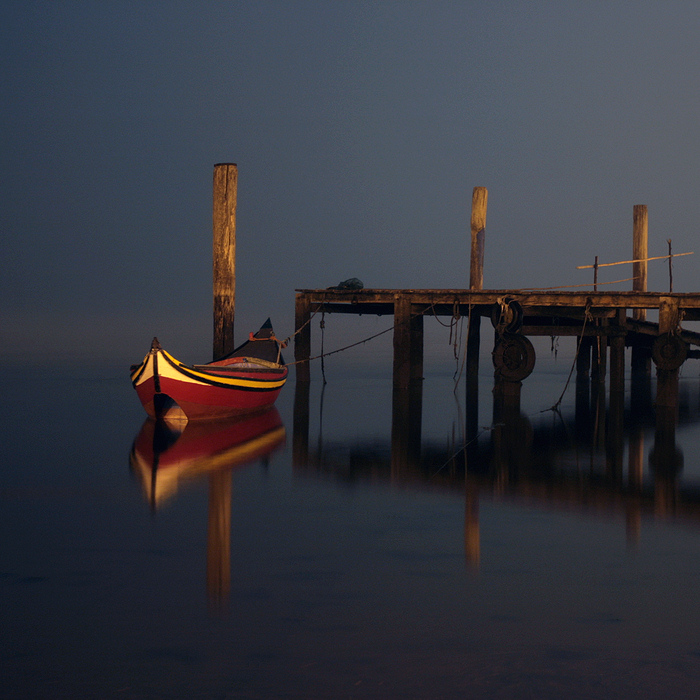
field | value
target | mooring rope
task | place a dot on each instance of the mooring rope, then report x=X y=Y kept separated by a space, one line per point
x=352 y=345
x=347 y=347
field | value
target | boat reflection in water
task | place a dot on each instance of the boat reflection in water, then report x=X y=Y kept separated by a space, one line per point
x=166 y=457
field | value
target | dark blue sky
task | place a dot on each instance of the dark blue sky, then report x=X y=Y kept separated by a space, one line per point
x=359 y=129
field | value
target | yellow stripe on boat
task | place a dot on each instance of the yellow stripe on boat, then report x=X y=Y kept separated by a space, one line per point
x=174 y=369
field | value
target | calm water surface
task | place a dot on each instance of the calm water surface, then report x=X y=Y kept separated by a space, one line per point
x=350 y=557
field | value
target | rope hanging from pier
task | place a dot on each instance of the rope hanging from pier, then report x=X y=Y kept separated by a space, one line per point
x=587 y=316
x=430 y=309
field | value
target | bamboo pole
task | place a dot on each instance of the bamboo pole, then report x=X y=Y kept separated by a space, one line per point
x=627 y=262
x=224 y=216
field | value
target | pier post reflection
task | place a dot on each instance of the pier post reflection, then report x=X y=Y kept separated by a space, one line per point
x=219 y=537
x=472 y=536
x=511 y=434
x=300 y=426
x=583 y=389
x=615 y=442
x=527 y=460
x=666 y=461
x=406 y=429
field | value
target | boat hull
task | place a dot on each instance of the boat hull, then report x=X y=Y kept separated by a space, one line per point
x=235 y=385
x=201 y=401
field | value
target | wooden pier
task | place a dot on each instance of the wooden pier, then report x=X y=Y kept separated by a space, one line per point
x=601 y=320
x=539 y=314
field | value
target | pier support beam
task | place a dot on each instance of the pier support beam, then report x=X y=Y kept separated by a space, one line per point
x=583 y=388
x=616 y=410
x=666 y=373
x=408 y=343
x=224 y=219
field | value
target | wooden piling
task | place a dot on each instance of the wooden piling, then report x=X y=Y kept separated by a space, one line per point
x=478 y=235
x=617 y=354
x=417 y=334
x=667 y=379
x=402 y=341
x=224 y=216
x=640 y=253
x=476 y=282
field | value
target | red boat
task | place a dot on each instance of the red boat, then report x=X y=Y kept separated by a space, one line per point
x=248 y=379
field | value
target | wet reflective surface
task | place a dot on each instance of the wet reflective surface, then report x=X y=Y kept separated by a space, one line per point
x=355 y=542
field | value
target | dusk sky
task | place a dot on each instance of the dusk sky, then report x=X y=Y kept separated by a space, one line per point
x=359 y=130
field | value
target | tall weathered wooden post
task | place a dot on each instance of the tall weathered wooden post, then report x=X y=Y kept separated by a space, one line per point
x=640 y=253
x=480 y=197
x=225 y=200
x=476 y=281
x=641 y=362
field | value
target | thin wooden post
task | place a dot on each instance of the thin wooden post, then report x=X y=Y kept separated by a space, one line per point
x=595 y=274
x=480 y=197
x=640 y=253
x=302 y=337
x=225 y=200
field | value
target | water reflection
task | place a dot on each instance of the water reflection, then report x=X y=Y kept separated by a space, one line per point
x=573 y=460
x=166 y=458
